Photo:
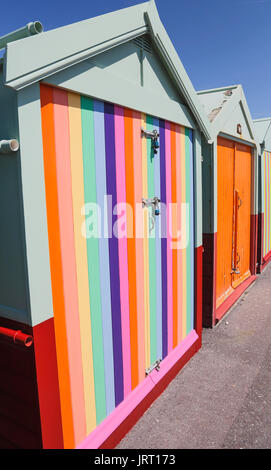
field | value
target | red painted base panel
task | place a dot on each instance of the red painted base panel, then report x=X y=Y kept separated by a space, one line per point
x=209 y=277
x=266 y=260
x=47 y=381
x=198 y=290
x=20 y=426
x=223 y=308
x=260 y=242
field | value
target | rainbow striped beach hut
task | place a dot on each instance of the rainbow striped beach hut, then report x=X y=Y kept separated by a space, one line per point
x=101 y=246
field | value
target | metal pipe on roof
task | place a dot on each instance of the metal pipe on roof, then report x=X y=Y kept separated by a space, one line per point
x=35 y=27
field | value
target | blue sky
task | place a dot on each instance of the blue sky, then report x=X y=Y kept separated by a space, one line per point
x=220 y=42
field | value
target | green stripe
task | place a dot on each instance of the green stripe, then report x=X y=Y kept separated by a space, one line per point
x=188 y=258
x=93 y=258
x=152 y=248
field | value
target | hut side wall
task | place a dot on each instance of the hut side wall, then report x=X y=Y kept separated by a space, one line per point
x=13 y=273
x=19 y=404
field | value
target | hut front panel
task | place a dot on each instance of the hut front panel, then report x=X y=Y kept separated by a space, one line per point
x=242 y=213
x=234 y=217
x=123 y=286
x=266 y=168
x=225 y=204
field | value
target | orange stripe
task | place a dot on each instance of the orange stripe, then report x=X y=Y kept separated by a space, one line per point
x=47 y=116
x=174 y=231
x=129 y=173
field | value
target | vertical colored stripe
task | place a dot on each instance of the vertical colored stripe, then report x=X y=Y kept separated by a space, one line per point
x=139 y=244
x=123 y=256
x=169 y=230
x=77 y=187
x=269 y=202
x=98 y=115
x=93 y=256
x=114 y=253
x=263 y=197
x=163 y=236
x=174 y=233
x=184 y=229
x=269 y=208
x=152 y=257
x=62 y=148
x=188 y=197
x=48 y=135
x=129 y=174
x=77 y=183
x=158 y=232
x=179 y=184
x=146 y=246
x=265 y=201
x=191 y=231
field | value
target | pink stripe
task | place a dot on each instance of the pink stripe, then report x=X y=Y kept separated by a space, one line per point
x=169 y=250
x=139 y=245
x=179 y=225
x=111 y=423
x=123 y=260
x=68 y=260
x=268 y=212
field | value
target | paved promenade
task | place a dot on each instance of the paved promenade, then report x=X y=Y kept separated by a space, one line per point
x=222 y=397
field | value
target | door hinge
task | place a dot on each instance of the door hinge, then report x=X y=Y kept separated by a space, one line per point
x=155 y=365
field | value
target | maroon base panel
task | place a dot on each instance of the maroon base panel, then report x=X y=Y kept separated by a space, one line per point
x=20 y=425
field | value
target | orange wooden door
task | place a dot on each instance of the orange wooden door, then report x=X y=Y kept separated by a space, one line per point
x=241 y=238
x=225 y=201
x=233 y=216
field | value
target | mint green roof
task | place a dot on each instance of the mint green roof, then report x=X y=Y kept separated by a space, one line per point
x=263 y=132
x=223 y=106
x=34 y=58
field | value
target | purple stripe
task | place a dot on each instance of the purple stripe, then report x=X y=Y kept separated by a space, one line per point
x=114 y=252
x=163 y=236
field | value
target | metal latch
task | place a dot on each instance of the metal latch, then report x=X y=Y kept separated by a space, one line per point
x=235 y=270
x=154 y=204
x=155 y=365
x=154 y=137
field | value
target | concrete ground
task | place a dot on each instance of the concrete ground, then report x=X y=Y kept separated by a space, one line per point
x=222 y=398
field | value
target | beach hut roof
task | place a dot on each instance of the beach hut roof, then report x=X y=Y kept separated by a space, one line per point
x=36 y=57
x=221 y=103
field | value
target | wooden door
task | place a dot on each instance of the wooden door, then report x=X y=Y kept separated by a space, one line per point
x=225 y=188
x=233 y=224
x=123 y=292
x=242 y=195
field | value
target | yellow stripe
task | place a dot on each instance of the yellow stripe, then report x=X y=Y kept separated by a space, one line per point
x=81 y=257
